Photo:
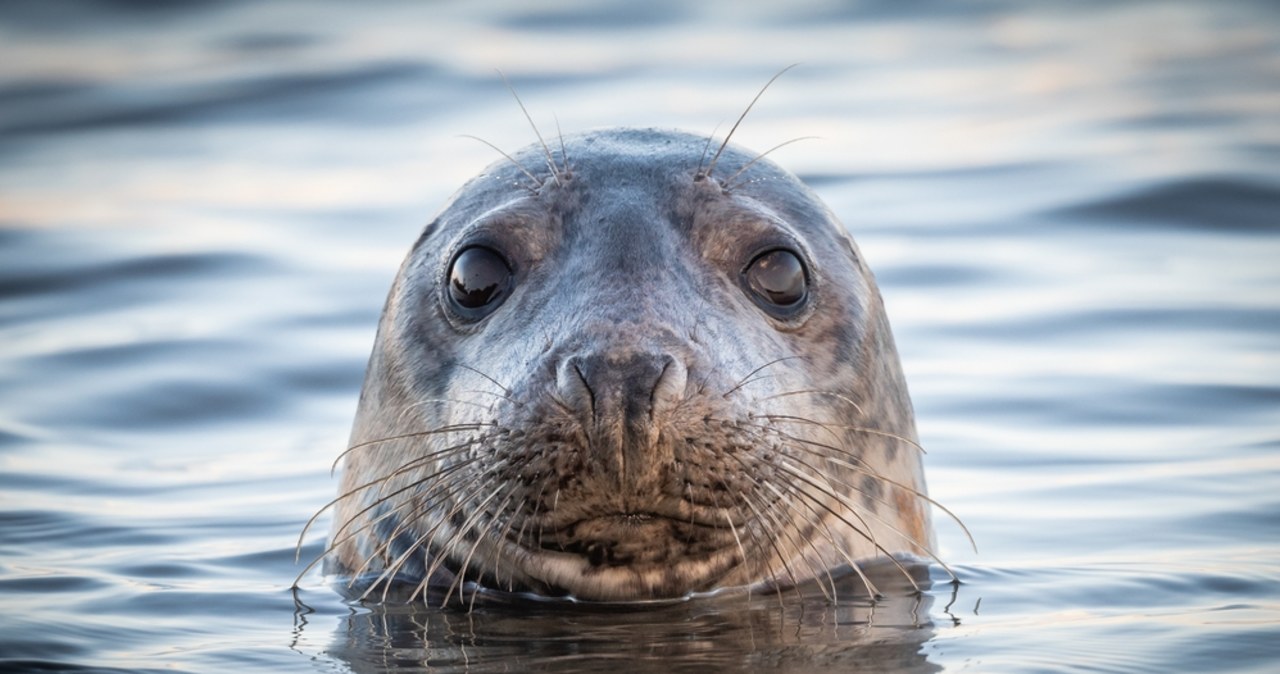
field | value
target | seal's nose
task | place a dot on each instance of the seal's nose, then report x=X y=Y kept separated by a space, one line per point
x=618 y=396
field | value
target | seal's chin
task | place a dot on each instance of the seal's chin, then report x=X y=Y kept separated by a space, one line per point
x=631 y=556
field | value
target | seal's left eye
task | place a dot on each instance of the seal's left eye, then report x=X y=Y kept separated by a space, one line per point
x=777 y=279
x=478 y=280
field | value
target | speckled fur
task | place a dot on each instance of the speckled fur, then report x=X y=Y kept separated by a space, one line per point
x=767 y=456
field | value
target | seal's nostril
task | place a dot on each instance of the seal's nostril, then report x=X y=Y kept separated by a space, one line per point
x=574 y=388
x=620 y=387
x=618 y=394
x=670 y=386
x=591 y=394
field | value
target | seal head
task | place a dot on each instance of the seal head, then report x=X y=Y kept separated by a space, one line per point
x=620 y=378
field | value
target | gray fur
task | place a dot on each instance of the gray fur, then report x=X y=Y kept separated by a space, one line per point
x=629 y=424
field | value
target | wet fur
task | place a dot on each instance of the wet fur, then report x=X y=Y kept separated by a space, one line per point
x=773 y=453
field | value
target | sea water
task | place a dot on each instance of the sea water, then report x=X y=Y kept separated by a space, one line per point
x=1073 y=210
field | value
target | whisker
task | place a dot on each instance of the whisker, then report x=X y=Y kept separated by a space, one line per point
x=496 y=549
x=435 y=494
x=747 y=379
x=716 y=158
x=833 y=394
x=858 y=513
x=859 y=429
x=371 y=483
x=447 y=548
x=456 y=428
x=837 y=547
x=728 y=183
x=495 y=382
x=343 y=534
x=861 y=467
x=536 y=183
x=452 y=401
x=412 y=464
x=736 y=539
x=906 y=537
x=551 y=164
x=460 y=578
x=831 y=492
x=564 y=154
x=391 y=570
x=698 y=174
x=864 y=530
x=786 y=566
x=785 y=528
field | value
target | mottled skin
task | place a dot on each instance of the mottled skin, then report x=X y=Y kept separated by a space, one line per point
x=629 y=424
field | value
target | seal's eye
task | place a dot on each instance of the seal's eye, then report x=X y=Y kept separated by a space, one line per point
x=778 y=279
x=478 y=280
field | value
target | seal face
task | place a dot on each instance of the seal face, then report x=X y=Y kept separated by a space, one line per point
x=620 y=378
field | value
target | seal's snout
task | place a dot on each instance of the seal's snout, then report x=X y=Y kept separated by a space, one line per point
x=620 y=388
x=618 y=396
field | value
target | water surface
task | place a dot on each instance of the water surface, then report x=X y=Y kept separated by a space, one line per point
x=1073 y=211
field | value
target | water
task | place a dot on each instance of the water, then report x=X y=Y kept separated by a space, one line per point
x=1073 y=211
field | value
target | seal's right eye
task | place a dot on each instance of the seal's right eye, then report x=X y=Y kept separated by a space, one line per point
x=778 y=280
x=478 y=281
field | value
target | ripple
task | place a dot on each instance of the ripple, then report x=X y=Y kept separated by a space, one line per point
x=1207 y=204
x=38 y=529
x=28 y=666
x=1107 y=323
x=221 y=186
x=30 y=277
x=289 y=93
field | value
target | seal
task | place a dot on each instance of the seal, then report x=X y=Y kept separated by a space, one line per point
x=633 y=367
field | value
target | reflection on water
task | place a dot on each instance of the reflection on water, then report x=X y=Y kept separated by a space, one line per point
x=797 y=631
x=1072 y=211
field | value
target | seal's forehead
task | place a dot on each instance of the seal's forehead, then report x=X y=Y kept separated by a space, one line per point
x=613 y=168
x=637 y=153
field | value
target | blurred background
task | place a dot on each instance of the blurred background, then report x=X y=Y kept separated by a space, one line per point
x=1072 y=208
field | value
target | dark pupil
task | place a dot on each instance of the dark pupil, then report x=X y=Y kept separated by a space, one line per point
x=478 y=277
x=778 y=276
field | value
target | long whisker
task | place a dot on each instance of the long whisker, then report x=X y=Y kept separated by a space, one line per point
x=460 y=578
x=861 y=528
x=833 y=394
x=698 y=174
x=509 y=158
x=828 y=426
x=347 y=494
x=853 y=509
x=861 y=467
x=434 y=494
x=728 y=183
x=748 y=379
x=789 y=531
x=457 y=428
x=496 y=549
x=859 y=513
x=497 y=383
x=551 y=164
x=786 y=566
x=412 y=464
x=392 y=569
x=343 y=534
x=447 y=547
x=784 y=559
x=712 y=166
x=564 y=154
x=839 y=548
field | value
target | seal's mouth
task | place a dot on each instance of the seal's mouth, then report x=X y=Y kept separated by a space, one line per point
x=635 y=539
